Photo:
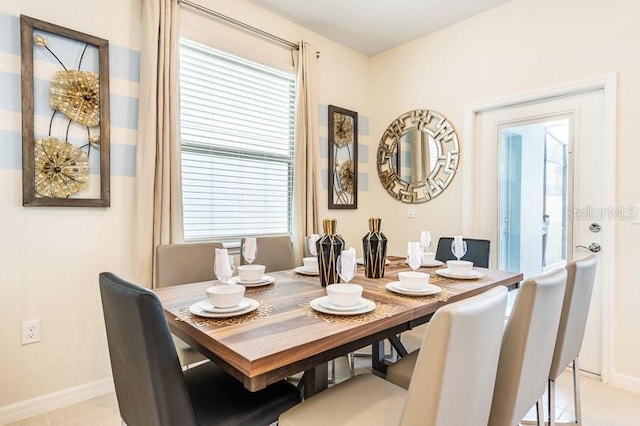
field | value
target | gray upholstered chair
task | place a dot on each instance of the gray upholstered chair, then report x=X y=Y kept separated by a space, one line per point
x=185 y=263
x=152 y=389
x=527 y=349
x=575 y=309
x=478 y=251
x=182 y=264
x=274 y=252
x=450 y=386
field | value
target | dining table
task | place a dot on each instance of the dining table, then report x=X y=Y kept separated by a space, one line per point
x=284 y=335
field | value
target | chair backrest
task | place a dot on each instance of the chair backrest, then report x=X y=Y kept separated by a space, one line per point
x=581 y=275
x=477 y=251
x=185 y=263
x=150 y=387
x=454 y=374
x=275 y=253
x=527 y=348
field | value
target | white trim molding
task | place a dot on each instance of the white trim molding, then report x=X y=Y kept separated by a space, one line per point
x=41 y=404
x=607 y=83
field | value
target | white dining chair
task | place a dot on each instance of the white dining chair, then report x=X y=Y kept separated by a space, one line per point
x=527 y=349
x=581 y=275
x=450 y=387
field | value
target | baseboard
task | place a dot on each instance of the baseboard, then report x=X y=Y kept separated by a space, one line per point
x=41 y=404
x=625 y=382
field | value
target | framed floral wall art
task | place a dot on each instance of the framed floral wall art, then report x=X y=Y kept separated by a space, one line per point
x=65 y=116
x=343 y=158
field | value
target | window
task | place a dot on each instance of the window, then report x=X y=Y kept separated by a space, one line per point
x=237 y=123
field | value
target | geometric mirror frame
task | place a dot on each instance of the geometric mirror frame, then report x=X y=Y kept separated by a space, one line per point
x=418 y=156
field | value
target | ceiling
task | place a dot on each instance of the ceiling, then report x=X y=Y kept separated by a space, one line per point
x=373 y=26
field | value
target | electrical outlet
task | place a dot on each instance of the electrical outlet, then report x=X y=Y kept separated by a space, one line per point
x=411 y=211
x=30 y=331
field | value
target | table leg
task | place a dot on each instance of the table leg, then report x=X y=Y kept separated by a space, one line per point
x=377 y=359
x=315 y=380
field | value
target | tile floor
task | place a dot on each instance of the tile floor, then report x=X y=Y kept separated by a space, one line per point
x=602 y=405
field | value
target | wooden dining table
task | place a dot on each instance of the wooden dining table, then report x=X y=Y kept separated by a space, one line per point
x=285 y=336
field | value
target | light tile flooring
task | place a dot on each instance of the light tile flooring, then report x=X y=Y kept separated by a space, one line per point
x=602 y=405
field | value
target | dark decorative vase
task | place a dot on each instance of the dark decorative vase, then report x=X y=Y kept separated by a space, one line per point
x=329 y=247
x=374 y=246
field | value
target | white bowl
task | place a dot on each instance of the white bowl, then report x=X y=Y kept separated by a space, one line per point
x=225 y=295
x=310 y=264
x=251 y=272
x=344 y=294
x=459 y=266
x=413 y=280
x=428 y=257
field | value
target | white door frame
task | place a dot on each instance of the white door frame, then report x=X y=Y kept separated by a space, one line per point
x=607 y=83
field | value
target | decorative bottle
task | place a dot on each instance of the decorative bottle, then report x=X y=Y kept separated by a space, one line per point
x=329 y=247
x=374 y=245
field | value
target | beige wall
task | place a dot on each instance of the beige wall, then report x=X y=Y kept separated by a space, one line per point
x=50 y=257
x=523 y=46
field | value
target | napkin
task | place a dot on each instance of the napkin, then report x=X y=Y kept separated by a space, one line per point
x=425 y=239
x=458 y=250
x=414 y=255
x=221 y=266
x=249 y=249
x=347 y=263
x=313 y=238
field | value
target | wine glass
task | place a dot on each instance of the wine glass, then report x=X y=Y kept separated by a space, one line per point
x=222 y=271
x=313 y=239
x=249 y=252
x=346 y=270
x=458 y=250
x=425 y=240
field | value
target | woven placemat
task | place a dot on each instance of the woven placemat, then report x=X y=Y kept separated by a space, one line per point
x=260 y=289
x=264 y=310
x=381 y=310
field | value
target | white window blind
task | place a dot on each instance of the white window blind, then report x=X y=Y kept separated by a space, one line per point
x=237 y=121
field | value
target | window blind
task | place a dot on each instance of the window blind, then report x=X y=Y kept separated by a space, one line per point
x=237 y=123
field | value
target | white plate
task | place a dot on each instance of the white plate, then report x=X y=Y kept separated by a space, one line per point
x=207 y=306
x=303 y=271
x=266 y=279
x=367 y=306
x=471 y=275
x=395 y=287
x=325 y=302
x=360 y=261
x=197 y=309
x=432 y=264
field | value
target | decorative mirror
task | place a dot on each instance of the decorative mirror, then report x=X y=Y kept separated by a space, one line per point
x=418 y=156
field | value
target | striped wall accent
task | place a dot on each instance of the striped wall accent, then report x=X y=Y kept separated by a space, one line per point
x=363 y=148
x=124 y=73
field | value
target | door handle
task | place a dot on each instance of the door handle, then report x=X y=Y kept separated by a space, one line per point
x=593 y=247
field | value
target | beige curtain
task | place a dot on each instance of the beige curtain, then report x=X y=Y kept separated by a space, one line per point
x=305 y=211
x=157 y=210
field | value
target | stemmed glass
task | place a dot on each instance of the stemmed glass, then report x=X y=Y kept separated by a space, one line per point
x=222 y=272
x=313 y=239
x=459 y=250
x=249 y=251
x=425 y=240
x=346 y=270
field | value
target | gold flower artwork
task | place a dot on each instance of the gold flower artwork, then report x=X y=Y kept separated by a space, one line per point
x=61 y=169
x=77 y=95
x=347 y=176
x=342 y=130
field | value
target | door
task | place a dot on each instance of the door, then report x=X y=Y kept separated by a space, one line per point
x=540 y=167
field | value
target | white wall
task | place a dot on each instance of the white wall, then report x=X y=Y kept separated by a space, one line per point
x=519 y=47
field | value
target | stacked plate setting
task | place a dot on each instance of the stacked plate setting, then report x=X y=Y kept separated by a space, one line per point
x=413 y=284
x=343 y=299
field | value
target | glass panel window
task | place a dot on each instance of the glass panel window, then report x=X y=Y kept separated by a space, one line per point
x=237 y=124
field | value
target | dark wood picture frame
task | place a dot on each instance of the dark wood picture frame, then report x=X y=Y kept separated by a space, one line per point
x=29 y=196
x=343 y=158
